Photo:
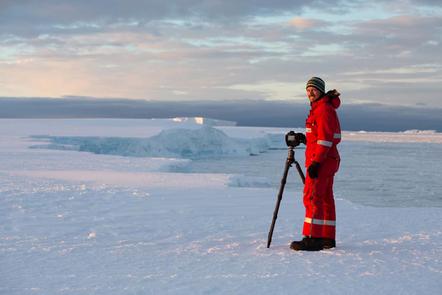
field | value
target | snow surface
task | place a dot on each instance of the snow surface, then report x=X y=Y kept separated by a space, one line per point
x=194 y=219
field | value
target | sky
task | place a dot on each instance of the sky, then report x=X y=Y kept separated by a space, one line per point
x=385 y=52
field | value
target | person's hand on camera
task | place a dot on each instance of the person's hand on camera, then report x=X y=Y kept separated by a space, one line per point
x=313 y=170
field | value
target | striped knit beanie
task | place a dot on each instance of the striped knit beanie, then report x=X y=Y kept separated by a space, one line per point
x=316 y=82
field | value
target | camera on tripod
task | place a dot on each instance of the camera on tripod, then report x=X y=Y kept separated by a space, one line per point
x=293 y=139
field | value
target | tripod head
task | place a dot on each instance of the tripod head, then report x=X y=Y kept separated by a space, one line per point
x=291 y=155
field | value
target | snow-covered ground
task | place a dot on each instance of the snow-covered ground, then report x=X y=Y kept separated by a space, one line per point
x=173 y=207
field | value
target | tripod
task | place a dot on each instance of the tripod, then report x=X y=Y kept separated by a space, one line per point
x=288 y=163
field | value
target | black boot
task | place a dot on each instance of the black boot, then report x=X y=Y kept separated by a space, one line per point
x=328 y=243
x=307 y=244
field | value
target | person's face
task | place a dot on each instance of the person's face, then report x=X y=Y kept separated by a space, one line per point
x=313 y=93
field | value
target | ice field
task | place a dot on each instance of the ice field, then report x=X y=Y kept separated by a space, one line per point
x=119 y=206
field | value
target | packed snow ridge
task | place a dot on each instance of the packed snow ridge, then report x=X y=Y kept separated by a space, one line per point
x=204 y=142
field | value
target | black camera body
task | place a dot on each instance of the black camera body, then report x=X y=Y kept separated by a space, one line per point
x=293 y=139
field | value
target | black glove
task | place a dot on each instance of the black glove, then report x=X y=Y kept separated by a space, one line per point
x=301 y=138
x=313 y=170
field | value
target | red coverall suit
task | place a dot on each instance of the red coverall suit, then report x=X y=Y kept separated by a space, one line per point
x=323 y=133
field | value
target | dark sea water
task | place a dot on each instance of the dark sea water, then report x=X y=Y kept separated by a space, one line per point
x=373 y=174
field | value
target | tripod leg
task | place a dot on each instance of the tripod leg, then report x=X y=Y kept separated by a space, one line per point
x=278 y=202
x=301 y=174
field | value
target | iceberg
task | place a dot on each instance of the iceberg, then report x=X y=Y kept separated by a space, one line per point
x=204 y=142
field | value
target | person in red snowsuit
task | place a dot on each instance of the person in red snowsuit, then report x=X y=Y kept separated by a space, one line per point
x=323 y=134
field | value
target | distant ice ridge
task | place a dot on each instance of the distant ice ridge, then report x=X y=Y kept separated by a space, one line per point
x=410 y=136
x=416 y=131
x=204 y=142
x=204 y=121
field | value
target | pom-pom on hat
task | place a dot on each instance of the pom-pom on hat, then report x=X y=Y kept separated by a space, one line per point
x=316 y=82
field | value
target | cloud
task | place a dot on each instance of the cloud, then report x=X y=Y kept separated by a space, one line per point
x=47 y=13
x=219 y=50
x=304 y=23
x=401 y=25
